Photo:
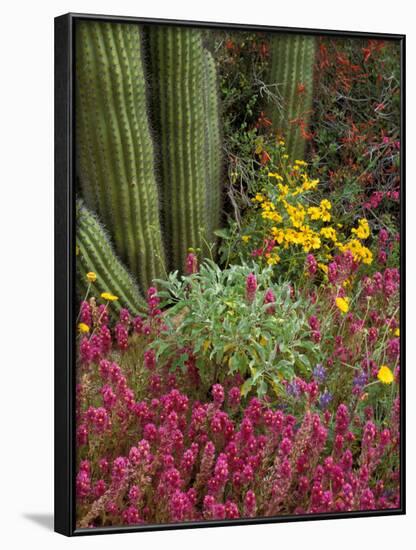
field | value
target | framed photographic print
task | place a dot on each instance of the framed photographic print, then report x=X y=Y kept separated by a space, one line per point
x=229 y=274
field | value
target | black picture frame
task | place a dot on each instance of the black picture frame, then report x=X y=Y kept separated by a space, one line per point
x=64 y=509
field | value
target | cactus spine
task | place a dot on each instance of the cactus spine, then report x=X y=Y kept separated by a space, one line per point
x=292 y=71
x=95 y=253
x=114 y=145
x=186 y=118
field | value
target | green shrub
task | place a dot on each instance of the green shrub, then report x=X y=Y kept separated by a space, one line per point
x=263 y=336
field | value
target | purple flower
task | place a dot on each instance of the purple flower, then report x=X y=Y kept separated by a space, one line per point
x=251 y=287
x=293 y=389
x=325 y=400
x=319 y=373
x=191 y=264
x=360 y=380
x=311 y=264
x=150 y=359
x=218 y=394
x=270 y=298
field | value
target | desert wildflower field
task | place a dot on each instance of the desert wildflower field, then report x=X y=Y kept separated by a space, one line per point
x=238 y=283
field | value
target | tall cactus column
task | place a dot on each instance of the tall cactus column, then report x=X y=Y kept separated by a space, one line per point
x=114 y=147
x=184 y=115
x=292 y=71
x=212 y=146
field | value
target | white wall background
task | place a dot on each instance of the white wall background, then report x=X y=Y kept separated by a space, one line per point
x=26 y=272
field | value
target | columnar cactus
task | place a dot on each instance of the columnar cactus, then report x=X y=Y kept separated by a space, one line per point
x=95 y=253
x=212 y=145
x=114 y=146
x=292 y=72
x=186 y=118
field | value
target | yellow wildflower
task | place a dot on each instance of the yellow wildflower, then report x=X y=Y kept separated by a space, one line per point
x=346 y=283
x=385 y=375
x=278 y=234
x=268 y=205
x=246 y=238
x=273 y=259
x=284 y=189
x=363 y=229
x=83 y=328
x=276 y=176
x=109 y=297
x=359 y=252
x=91 y=277
x=296 y=214
x=342 y=304
x=367 y=256
x=309 y=184
x=324 y=207
x=329 y=233
x=314 y=212
x=308 y=238
x=397 y=332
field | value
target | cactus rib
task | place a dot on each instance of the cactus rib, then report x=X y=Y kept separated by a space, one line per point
x=212 y=145
x=292 y=71
x=95 y=253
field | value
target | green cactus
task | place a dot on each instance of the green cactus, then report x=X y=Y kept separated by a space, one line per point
x=186 y=119
x=114 y=147
x=95 y=253
x=212 y=146
x=292 y=72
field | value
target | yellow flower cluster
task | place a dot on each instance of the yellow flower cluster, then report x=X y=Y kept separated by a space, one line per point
x=83 y=328
x=91 y=277
x=296 y=213
x=272 y=258
x=109 y=297
x=360 y=252
x=329 y=233
x=294 y=222
x=363 y=229
x=321 y=212
x=269 y=212
x=305 y=237
x=385 y=375
x=342 y=304
x=281 y=209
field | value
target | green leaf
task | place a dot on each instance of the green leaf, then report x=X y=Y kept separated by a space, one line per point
x=304 y=360
x=223 y=233
x=246 y=387
x=261 y=388
x=234 y=364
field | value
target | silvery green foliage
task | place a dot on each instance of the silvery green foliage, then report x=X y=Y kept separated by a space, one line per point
x=210 y=316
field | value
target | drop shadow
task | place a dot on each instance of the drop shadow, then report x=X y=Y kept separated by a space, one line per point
x=44 y=520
